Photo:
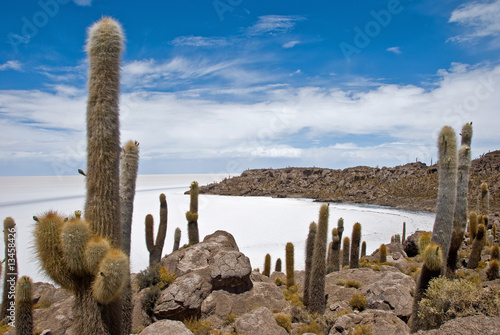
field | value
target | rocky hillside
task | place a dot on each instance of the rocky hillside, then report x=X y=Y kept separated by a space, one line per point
x=412 y=186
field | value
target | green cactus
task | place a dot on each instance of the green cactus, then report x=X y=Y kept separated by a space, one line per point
x=317 y=302
x=329 y=260
x=335 y=265
x=277 y=267
x=290 y=266
x=10 y=278
x=494 y=232
x=484 y=200
x=363 y=249
x=460 y=216
x=432 y=267
x=477 y=247
x=473 y=222
x=192 y=215
x=267 y=266
x=403 y=238
x=447 y=189
x=356 y=240
x=109 y=282
x=495 y=252
x=382 y=258
x=75 y=235
x=345 y=251
x=493 y=269
x=95 y=250
x=24 y=307
x=177 y=239
x=423 y=242
x=309 y=257
x=155 y=248
x=128 y=178
x=340 y=227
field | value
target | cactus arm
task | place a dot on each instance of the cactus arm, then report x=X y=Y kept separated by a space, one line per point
x=149 y=223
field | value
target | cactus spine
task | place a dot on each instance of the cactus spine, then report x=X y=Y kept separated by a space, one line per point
x=267 y=265
x=309 y=258
x=128 y=178
x=356 y=240
x=290 y=266
x=345 y=251
x=177 y=239
x=317 y=302
x=460 y=216
x=382 y=258
x=155 y=248
x=24 y=307
x=10 y=277
x=192 y=215
x=335 y=250
x=477 y=247
x=277 y=267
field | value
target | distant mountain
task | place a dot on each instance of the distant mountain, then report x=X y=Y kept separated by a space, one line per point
x=411 y=186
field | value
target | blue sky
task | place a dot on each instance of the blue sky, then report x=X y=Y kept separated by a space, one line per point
x=227 y=85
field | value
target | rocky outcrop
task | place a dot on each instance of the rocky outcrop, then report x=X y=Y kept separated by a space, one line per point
x=411 y=243
x=477 y=324
x=260 y=321
x=231 y=272
x=411 y=186
x=374 y=322
x=166 y=327
x=387 y=289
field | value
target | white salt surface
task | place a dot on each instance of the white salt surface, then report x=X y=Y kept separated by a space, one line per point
x=260 y=225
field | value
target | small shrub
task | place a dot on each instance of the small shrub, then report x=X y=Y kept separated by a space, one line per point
x=312 y=327
x=284 y=321
x=229 y=319
x=340 y=282
x=358 y=301
x=43 y=304
x=148 y=277
x=362 y=330
x=138 y=330
x=198 y=326
x=280 y=282
x=352 y=283
x=149 y=300
x=292 y=295
x=4 y=328
x=166 y=278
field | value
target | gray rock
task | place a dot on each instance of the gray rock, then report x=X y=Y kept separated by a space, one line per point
x=166 y=327
x=380 y=323
x=260 y=321
x=139 y=316
x=231 y=272
x=184 y=297
x=477 y=324
x=411 y=243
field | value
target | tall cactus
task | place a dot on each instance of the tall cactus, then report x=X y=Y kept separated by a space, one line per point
x=363 y=249
x=473 y=221
x=290 y=265
x=267 y=265
x=95 y=313
x=484 y=199
x=477 y=247
x=447 y=190
x=356 y=240
x=10 y=277
x=192 y=215
x=24 y=307
x=345 y=251
x=317 y=302
x=340 y=227
x=177 y=239
x=155 y=248
x=277 y=267
x=335 y=250
x=382 y=257
x=128 y=178
x=403 y=238
x=309 y=257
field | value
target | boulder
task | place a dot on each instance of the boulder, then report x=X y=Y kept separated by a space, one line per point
x=379 y=322
x=263 y=294
x=477 y=324
x=231 y=271
x=387 y=289
x=184 y=297
x=139 y=316
x=166 y=327
x=260 y=321
x=411 y=243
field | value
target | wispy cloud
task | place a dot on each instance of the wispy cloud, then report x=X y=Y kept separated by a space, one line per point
x=274 y=24
x=200 y=41
x=11 y=65
x=396 y=50
x=290 y=44
x=480 y=18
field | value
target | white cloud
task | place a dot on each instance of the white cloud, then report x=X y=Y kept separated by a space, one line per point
x=295 y=73
x=305 y=125
x=200 y=41
x=83 y=2
x=274 y=24
x=396 y=50
x=11 y=65
x=290 y=44
x=481 y=19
